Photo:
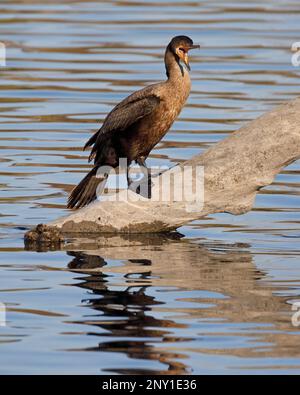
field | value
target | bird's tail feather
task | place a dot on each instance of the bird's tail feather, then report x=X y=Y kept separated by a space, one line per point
x=88 y=188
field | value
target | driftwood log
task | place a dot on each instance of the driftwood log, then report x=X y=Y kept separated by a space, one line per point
x=234 y=170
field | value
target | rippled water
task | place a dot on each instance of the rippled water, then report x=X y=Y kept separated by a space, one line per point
x=217 y=300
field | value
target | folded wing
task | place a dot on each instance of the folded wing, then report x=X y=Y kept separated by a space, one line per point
x=124 y=115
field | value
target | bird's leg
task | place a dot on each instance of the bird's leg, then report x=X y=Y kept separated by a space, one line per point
x=142 y=162
x=129 y=180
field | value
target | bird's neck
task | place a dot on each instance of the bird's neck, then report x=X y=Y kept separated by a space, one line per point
x=174 y=70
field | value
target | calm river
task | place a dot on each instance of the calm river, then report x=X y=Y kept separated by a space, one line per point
x=217 y=300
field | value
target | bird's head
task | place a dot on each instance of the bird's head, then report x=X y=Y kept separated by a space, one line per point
x=180 y=46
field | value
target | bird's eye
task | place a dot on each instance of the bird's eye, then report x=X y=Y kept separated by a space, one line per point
x=181 y=49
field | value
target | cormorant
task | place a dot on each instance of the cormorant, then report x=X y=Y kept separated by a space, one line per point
x=137 y=123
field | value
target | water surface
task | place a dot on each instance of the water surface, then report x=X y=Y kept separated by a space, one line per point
x=218 y=299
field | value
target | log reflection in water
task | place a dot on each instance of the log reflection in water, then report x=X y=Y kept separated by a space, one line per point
x=134 y=321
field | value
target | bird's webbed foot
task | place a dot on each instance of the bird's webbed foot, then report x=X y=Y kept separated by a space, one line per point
x=143 y=186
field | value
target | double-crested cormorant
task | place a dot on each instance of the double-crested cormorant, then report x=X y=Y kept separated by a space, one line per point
x=138 y=123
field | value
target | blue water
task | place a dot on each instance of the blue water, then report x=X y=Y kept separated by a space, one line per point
x=217 y=300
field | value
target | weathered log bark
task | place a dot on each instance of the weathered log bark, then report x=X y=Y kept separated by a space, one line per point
x=234 y=170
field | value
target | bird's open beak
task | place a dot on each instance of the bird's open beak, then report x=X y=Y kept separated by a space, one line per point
x=194 y=47
x=186 y=58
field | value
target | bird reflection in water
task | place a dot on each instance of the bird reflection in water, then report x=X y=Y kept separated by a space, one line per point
x=139 y=287
x=133 y=308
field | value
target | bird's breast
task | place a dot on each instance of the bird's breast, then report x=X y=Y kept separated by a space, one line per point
x=168 y=110
x=147 y=132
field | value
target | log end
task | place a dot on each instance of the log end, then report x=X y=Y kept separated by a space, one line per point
x=43 y=237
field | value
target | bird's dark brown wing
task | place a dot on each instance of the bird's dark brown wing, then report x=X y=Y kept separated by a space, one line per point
x=122 y=116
